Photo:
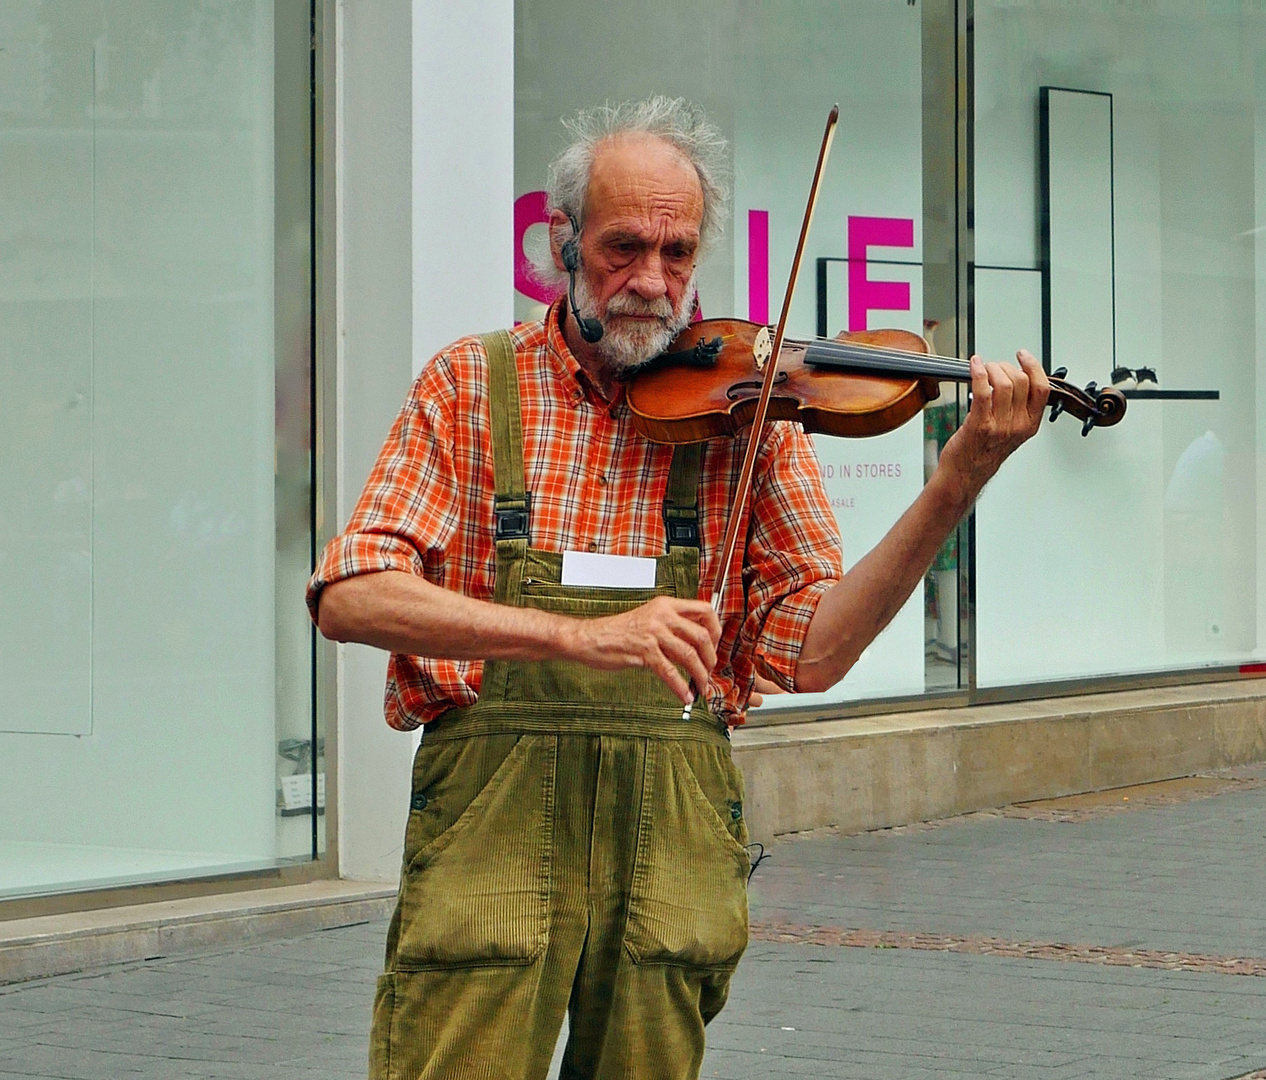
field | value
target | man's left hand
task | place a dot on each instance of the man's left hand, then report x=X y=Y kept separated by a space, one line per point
x=1006 y=410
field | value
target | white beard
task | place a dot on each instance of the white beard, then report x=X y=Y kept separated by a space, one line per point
x=627 y=343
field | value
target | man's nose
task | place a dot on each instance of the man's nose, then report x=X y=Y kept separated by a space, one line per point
x=648 y=279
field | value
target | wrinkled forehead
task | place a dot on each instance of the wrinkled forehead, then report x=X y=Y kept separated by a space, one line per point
x=644 y=182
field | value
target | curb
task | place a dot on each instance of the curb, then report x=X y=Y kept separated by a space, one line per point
x=59 y=944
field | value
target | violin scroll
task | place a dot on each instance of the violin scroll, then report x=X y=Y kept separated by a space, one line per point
x=1094 y=406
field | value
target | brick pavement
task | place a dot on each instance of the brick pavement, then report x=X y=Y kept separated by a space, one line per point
x=886 y=994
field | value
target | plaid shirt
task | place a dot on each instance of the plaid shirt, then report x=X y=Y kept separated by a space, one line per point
x=597 y=485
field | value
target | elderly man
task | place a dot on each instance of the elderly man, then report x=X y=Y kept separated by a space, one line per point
x=574 y=845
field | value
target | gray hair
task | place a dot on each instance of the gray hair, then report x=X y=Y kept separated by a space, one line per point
x=677 y=121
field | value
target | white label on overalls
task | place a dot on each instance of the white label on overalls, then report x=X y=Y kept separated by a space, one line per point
x=608 y=571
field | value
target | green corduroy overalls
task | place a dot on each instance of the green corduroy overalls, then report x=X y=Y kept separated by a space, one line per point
x=573 y=844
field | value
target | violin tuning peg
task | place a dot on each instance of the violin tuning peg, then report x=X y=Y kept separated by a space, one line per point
x=1060 y=373
x=1088 y=424
x=1092 y=388
x=1057 y=407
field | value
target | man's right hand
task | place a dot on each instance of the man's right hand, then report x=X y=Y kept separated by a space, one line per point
x=663 y=635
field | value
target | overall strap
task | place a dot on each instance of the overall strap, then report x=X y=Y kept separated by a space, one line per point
x=512 y=503
x=681 y=519
x=681 y=497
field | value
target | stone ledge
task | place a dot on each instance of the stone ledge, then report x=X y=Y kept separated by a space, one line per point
x=56 y=944
x=857 y=774
x=895 y=769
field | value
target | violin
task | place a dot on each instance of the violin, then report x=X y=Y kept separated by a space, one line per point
x=708 y=384
x=720 y=376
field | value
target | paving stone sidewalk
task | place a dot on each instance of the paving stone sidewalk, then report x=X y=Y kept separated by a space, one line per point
x=1183 y=878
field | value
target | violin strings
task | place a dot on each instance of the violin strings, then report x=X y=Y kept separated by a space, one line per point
x=868 y=352
x=871 y=356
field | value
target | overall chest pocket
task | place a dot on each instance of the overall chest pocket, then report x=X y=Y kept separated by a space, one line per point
x=568 y=680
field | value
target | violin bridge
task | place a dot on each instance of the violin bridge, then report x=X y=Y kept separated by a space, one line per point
x=762 y=348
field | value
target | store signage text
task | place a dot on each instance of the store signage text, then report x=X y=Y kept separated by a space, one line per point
x=862 y=470
x=865 y=294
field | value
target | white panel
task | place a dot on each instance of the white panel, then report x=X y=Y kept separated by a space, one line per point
x=463 y=171
x=46 y=408
x=450 y=70
x=375 y=59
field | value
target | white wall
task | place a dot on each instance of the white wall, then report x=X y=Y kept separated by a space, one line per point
x=426 y=122
x=463 y=171
x=374 y=160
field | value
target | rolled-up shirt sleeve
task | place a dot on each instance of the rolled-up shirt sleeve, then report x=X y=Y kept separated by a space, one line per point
x=407 y=511
x=407 y=519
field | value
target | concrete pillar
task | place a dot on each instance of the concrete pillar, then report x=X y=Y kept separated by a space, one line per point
x=425 y=150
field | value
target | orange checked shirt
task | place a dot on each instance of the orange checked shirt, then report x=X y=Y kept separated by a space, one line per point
x=597 y=485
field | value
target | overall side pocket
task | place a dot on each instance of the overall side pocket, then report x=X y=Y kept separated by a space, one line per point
x=688 y=898
x=477 y=892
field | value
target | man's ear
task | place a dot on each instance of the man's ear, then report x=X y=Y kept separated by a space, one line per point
x=559 y=234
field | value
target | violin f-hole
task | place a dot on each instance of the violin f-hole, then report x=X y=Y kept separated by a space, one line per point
x=734 y=391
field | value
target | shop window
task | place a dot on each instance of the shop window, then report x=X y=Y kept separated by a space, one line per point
x=768 y=77
x=155 y=360
x=1118 y=209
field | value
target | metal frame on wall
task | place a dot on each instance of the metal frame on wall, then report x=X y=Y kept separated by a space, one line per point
x=1044 y=214
x=326 y=26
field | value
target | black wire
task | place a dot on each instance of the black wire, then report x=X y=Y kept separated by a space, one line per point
x=760 y=858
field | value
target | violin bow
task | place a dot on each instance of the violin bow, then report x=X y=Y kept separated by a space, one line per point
x=738 y=519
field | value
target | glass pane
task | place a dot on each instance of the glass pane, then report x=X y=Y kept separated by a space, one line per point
x=768 y=81
x=46 y=384
x=1145 y=535
x=138 y=420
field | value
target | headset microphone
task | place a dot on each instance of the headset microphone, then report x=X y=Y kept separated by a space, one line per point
x=590 y=329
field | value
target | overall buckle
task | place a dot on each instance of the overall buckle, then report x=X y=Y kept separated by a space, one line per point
x=514 y=516
x=681 y=525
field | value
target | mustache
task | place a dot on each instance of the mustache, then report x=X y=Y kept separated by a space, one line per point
x=630 y=304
